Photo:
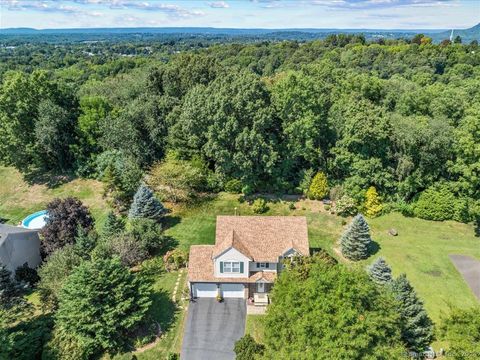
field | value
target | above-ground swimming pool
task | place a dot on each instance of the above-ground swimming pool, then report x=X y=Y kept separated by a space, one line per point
x=36 y=220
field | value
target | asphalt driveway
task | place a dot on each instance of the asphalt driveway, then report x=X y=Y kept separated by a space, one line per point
x=212 y=329
x=470 y=270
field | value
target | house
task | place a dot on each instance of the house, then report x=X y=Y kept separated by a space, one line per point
x=19 y=246
x=247 y=255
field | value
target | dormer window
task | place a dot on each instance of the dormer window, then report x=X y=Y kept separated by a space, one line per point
x=263 y=265
x=231 y=267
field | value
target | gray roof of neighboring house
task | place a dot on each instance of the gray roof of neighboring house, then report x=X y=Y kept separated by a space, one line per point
x=6 y=230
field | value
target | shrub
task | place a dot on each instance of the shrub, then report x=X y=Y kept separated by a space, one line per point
x=373 y=206
x=346 y=206
x=291 y=206
x=149 y=234
x=175 y=259
x=380 y=272
x=26 y=274
x=53 y=273
x=336 y=193
x=247 y=348
x=234 y=186
x=247 y=190
x=130 y=251
x=319 y=187
x=259 y=206
x=439 y=203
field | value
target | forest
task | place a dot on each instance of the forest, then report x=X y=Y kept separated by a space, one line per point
x=400 y=116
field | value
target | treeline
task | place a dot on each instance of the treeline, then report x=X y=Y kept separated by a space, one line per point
x=403 y=118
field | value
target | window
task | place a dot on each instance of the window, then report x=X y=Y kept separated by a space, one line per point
x=231 y=267
x=263 y=265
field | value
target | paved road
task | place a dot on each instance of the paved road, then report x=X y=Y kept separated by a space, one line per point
x=470 y=270
x=212 y=329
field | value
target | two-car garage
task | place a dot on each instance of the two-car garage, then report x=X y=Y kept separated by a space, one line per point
x=210 y=290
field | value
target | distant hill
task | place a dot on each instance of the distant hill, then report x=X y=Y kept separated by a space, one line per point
x=156 y=33
x=467 y=35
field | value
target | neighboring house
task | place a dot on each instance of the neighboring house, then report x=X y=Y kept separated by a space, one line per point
x=247 y=255
x=19 y=246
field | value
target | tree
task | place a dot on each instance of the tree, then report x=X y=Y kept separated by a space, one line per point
x=175 y=180
x=65 y=217
x=100 y=302
x=247 y=348
x=124 y=246
x=53 y=272
x=145 y=205
x=325 y=311
x=113 y=225
x=319 y=187
x=85 y=242
x=416 y=327
x=461 y=329
x=149 y=234
x=373 y=206
x=380 y=272
x=457 y=40
x=356 y=240
x=54 y=135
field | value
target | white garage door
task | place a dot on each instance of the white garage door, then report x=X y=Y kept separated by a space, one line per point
x=232 y=290
x=204 y=290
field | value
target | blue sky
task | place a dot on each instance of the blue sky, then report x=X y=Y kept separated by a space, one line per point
x=380 y=14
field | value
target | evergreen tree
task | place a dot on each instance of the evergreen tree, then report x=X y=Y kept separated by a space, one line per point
x=319 y=187
x=356 y=240
x=113 y=225
x=416 y=327
x=7 y=287
x=380 y=272
x=146 y=205
x=85 y=242
x=100 y=303
x=373 y=206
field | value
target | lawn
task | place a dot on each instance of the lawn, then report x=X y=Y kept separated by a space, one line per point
x=420 y=250
x=19 y=199
x=255 y=326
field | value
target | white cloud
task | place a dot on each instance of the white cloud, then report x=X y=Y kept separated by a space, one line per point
x=218 y=4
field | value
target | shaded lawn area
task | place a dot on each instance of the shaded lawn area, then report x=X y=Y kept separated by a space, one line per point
x=420 y=250
x=19 y=199
x=255 y=326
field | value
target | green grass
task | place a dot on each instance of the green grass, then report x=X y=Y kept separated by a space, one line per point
x=255 y=326
x=420 y=250
x=19 y=199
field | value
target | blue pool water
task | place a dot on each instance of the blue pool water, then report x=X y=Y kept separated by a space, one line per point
x=36 y=220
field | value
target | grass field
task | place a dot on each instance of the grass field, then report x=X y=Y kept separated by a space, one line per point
x=19 y=199
x=255 y=327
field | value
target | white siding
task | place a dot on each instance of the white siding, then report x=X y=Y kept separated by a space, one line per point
x=271 y=267
x=232 y=255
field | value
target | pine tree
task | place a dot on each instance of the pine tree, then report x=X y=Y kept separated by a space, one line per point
x=373 y=206
x=319 y=187
x=416 y=328
x=380 y=272
x=85 y=242
x=113 y=225
x=146 y=205
x=356 y=240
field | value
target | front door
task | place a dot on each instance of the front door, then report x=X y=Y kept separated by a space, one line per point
x=261 y=287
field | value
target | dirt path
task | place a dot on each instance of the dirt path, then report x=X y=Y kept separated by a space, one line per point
x=469 y=268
